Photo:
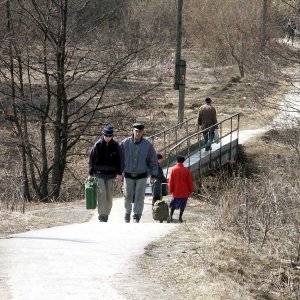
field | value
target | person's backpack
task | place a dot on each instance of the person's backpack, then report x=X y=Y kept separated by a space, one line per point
x=160 y=211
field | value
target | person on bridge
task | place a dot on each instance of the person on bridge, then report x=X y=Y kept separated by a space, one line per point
x=207 y=117
x=181 y=186
x=105 y=164
x=139 y=158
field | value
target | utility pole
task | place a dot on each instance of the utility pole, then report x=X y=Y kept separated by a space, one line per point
x=180 y=65
x=264 y=36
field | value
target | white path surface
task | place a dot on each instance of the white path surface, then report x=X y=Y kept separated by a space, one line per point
x=75 y=261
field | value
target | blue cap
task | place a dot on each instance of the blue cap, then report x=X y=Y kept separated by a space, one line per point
x=108 y=130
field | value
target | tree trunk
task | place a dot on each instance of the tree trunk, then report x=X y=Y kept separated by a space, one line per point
x=44 y=113
x=61 y=121
x=24 y=125
x=44 y=174
x=26 y=191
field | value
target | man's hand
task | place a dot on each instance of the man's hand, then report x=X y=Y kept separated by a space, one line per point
x=119 y=179
x=91 y=178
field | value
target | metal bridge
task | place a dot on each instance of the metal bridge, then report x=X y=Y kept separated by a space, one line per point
x=186 y=139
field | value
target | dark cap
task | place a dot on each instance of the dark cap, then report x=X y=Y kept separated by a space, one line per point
x=138 y=126
x=180 y=159
x=108 y=130
x=208 y=100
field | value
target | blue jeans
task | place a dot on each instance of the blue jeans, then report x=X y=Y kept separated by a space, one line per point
x=208 y=137
x=134 y=193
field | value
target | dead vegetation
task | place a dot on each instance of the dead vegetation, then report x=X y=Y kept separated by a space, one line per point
x=241 y=241
x=42 y=215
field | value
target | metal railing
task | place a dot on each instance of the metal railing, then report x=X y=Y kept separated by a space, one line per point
x=164 y=140
x=194 y=142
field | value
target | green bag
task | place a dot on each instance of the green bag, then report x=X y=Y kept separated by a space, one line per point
x=90 y=187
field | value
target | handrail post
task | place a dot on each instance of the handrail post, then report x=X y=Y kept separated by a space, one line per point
x=165 y=151
x=189 y=147
x=187 y=128
x=199 y=147
x=238 y=131
x=220 y=141
x=237 y=135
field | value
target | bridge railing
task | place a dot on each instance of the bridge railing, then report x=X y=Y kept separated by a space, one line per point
x=194 y=142
x=164 y=140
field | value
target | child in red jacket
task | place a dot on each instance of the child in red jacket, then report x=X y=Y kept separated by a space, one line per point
x=181 y=186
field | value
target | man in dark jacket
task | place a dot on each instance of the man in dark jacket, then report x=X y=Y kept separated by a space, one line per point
x=207 y=117
x=105 y=164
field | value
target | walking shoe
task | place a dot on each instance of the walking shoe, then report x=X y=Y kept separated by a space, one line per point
x=103 y=218
x=136 y=218
x=180 y=220
x=127 y=218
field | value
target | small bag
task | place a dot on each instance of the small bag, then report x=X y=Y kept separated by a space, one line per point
x=160 y=211
x=216 y=136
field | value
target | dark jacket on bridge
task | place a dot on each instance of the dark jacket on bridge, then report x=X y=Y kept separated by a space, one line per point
x=207 y=116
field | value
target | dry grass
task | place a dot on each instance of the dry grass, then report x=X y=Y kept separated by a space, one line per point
x=211 y=256
x=263 y=208
x=39 y=215
x=192 y=260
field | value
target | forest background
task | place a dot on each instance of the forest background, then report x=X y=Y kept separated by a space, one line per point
x=70 y=67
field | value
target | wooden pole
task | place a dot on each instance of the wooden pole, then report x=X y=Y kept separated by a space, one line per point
x=180 y=65
x=264 y=24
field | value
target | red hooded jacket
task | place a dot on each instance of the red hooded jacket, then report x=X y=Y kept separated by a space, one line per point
x=181 y=181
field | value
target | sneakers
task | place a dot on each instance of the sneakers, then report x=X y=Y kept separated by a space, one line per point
x=127 y=218
x=136 y=218
x=103 y=218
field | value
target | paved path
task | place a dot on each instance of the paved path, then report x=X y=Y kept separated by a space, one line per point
x=75 y=261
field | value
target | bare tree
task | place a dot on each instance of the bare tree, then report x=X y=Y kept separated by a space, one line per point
x=58 y=82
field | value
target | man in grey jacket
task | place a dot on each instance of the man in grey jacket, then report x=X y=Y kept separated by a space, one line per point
x=138 y=158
